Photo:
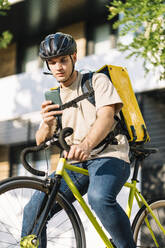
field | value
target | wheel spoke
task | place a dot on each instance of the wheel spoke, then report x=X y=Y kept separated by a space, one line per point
x=63 y=229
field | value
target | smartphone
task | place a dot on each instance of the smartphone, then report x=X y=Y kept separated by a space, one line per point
x=54 y=96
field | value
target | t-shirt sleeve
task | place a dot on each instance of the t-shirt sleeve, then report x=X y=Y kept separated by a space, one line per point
x=105 y=92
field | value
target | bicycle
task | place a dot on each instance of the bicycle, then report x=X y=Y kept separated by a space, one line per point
x=65 y=228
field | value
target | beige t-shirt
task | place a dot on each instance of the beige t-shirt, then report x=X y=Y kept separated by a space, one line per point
x=83 y=117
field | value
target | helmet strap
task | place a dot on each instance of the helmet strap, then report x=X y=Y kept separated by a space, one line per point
x=47 y=65
x=72 y=65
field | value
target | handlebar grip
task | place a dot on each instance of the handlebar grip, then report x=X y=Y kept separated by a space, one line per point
x=26 y=164
x=63 y=134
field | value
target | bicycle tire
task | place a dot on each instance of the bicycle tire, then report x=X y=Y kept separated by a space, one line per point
x=141 y=233
x=64 y=229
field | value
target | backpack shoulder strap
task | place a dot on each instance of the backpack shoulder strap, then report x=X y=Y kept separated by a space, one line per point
x=86 y=86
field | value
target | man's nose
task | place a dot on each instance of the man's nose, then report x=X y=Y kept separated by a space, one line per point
x=58 y=66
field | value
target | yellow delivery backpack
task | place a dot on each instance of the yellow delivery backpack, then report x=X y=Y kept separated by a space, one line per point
x=134 y=122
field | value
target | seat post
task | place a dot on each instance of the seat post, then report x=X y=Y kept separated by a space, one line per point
x=138 y=161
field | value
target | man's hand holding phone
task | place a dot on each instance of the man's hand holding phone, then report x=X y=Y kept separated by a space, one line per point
x=49 y=112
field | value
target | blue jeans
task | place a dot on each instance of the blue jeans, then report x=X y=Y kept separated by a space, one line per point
x=106 y=178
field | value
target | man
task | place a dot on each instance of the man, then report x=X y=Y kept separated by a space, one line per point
x=108 y=168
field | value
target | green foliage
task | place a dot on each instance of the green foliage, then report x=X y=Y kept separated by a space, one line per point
x=6 y=36
x=4 y=5
x=5 y=39
x=146 y=20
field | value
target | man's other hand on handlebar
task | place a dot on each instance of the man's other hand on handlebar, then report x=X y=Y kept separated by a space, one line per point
x=79 y=152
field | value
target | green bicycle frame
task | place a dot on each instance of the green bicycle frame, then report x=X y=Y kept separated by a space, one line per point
x=133 y=194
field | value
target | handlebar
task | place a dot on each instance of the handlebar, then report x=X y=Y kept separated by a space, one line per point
x=60 y=142
x=63 y=134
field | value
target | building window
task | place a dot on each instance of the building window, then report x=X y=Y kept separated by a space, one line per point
x=100 y=39
x=31 y=61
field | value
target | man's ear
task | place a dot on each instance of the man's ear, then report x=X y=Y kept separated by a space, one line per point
x=74 y=57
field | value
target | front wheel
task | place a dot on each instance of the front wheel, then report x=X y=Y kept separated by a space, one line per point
x=64 y=229
x=142 y=234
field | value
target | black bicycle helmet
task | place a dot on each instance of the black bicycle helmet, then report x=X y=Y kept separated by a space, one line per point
x=58 y=44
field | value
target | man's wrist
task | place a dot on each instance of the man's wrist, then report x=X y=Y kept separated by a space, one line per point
x=87 y=144
x=50 y=129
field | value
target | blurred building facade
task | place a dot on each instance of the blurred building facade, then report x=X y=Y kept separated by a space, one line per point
x=22 y=83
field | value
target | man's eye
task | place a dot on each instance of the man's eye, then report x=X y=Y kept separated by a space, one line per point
x=52 y=63
x=64 y=60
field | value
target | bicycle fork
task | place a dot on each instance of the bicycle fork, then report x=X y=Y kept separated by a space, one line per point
x=32 y=241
